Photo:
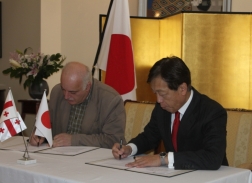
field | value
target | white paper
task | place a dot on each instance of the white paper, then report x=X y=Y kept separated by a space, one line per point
x=12 y=141
x=113 y=163
x=120 y=164
x=46 y=149
x=161 y=171
x=68 y=150
x=21 y=147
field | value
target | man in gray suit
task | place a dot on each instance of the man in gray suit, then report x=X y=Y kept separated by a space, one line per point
x=84 y=111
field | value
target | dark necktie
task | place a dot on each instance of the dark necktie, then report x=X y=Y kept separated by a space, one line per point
x=175 y=130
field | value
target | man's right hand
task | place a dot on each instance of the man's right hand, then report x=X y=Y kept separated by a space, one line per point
x=36 y=140
x=125 y=151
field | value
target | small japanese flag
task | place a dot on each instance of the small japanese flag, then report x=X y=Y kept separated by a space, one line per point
x=43 y=123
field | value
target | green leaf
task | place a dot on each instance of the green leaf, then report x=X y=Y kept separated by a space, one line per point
x=7 y=71
x=29 y=48
x=20 y=79
x=19 y=52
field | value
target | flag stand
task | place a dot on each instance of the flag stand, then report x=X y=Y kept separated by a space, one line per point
x=26 y=160
x=11 y=123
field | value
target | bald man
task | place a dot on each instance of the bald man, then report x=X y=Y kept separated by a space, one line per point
x=84 y=111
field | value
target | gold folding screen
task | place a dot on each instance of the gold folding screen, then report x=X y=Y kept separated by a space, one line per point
x=218 y=52
x=215 y=46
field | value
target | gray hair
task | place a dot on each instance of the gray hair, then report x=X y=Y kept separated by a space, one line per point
x=87 y=78
x=82 y=71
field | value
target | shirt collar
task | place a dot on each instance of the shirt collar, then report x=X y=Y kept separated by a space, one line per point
x=185 y=106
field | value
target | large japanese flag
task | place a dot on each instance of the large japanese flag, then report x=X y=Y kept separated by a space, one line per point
x=11 y=122
x=43 y=123
x=116 y=54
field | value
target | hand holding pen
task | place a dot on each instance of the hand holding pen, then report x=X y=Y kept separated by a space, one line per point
x=38 y=141
x=121 y=151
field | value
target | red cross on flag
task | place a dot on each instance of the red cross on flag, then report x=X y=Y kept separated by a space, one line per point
x=11 y=122
x=9 y=108
x=43 y=122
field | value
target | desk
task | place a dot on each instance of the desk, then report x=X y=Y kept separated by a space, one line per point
x=72 y=169
x=29 y=107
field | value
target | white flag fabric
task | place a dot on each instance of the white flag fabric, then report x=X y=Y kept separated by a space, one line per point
x=43 y=123
x=11 y=127
x=11 y=122
x=116 y=53
x=9 y=108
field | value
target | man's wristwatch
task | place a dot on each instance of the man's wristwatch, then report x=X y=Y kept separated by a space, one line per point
x=162 y=156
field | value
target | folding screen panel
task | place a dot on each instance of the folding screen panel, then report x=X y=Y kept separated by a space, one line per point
x=215 y=46
x=217 y=49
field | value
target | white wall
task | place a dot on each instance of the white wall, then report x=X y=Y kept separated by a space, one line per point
x=72 y=27
x=241 y=6
x=51 y=33
x=20 y=29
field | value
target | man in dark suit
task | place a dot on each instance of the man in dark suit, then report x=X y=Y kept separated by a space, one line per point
x=200 y=139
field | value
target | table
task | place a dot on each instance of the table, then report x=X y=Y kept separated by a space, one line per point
x=72 y=169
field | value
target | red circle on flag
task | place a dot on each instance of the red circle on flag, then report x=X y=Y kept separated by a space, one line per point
x=45 y=118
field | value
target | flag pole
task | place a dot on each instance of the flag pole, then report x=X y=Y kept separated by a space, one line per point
x=26 y=157
x=101 y=39
x=26 y=149
x=26 y=160
x=23 y=137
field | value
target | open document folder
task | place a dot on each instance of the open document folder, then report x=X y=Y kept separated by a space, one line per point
x=163 y=171
x=68 y=150
x=16 y=140
x=45 y=149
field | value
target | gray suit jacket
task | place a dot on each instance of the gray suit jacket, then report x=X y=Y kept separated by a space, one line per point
x=104 y=120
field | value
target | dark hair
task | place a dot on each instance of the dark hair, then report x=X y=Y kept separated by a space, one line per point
x=173 y=70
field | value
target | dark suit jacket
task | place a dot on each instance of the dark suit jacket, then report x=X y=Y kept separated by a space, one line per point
x=201 y=134
x=104 y=120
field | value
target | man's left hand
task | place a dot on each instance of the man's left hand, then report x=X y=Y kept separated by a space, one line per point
x=145 y=161
x=62 y=139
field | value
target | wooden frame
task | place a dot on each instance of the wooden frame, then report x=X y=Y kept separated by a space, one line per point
x=145 y=7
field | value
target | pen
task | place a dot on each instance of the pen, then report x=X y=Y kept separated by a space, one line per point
x=38 y=141
x=120 y=148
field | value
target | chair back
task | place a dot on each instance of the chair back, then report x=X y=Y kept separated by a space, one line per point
x=239 y=130
x=137 y=116
x=239 y=137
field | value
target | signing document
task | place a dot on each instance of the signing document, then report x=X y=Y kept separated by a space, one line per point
x=45 y=149
x=163 y=171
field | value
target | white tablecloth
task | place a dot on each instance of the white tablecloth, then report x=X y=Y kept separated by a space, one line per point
x=58 y=169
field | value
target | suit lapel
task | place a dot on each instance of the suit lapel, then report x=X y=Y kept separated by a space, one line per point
x=167 y=131
x=65 y=106
x=187 y=120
